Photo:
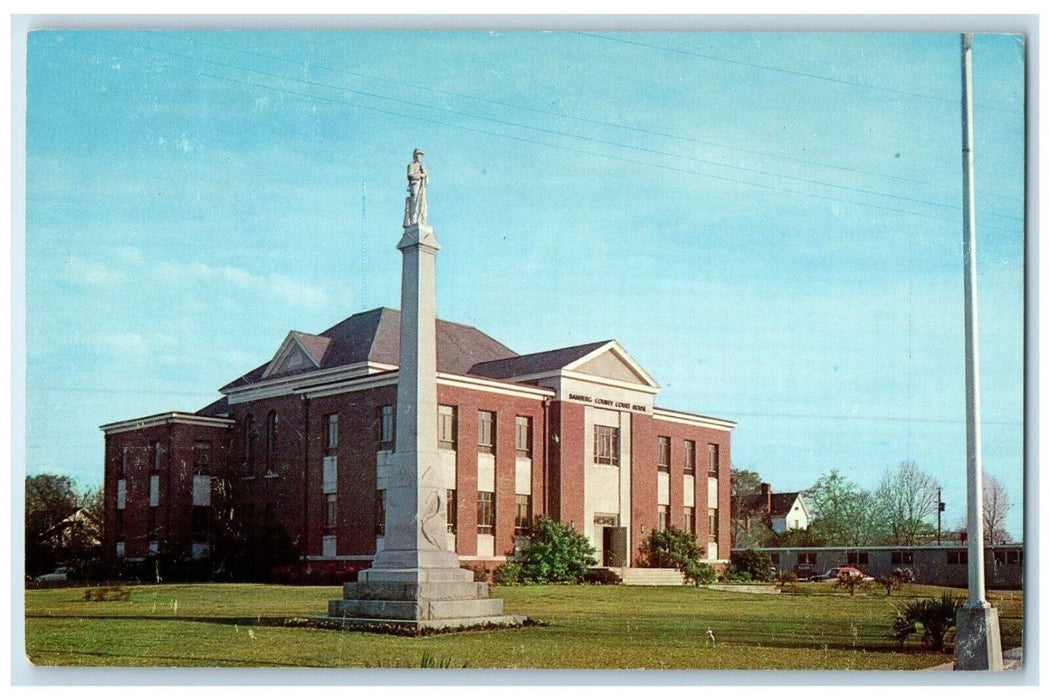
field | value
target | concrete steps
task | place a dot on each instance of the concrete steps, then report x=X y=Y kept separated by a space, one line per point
x=633 y=576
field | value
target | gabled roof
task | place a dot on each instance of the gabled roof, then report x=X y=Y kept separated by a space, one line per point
x=375 y=336
x=606 y=359
x=536 y=363
x=781 y=503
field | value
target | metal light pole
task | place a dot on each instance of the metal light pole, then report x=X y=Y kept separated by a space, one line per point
x=977 y=643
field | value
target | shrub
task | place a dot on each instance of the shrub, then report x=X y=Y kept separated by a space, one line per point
x=699 y=574
x=671 y=549
x=556 y=553
x=750 y=565
x=851 y=583
x=481 y=572
x=896 y=580
x=602 y=577
x=788 y=580
x=103 y=593
x=933 y=618
x=507 y=573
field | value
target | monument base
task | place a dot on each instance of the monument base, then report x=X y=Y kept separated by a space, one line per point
x=978 y=646
x=400 y=600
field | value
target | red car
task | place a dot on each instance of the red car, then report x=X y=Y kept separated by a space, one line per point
x=851 y=571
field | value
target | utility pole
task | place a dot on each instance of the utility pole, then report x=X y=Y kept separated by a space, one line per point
x=940 y=509
x=978 y=646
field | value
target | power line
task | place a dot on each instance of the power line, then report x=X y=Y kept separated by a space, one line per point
x=554 y=132
x=571 y=149
x=584 y=120
x=786 y=71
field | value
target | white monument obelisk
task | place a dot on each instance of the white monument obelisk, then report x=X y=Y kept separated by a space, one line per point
x=978 y=646
x=415 y=580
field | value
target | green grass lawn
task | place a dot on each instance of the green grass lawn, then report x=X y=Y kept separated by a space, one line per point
x=588 y=627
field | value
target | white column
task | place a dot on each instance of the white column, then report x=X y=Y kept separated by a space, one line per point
x=415 y=534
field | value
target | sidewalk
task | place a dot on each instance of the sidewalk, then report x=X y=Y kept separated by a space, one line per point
x=1012 y=660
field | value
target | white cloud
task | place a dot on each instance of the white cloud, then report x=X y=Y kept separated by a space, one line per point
x=277 y=287
x=89 y=272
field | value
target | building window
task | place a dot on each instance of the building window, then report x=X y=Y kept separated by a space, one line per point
x=122 y=494
x=663 y=453
x=202 y=458
x=690 y=520
x=332 y=425
x=690 y=457
x=447 y=427
x=271 y=440
x=120 y=549
x=156 y=456
x=807 y=558
x=201 y=517
x=487 y=432
x=1014 y=556
x=774 y=557
x=380 y=512
x=154 y=491
x=857 y=558
x=606 y=445
x=451 y=516
x=663 y=518
x=386 y=427
x=902 y=557
x=123 y=467
x=486 y=512
x=712 y=525
x=330 y=474
x=523 y=436
x=331 y=513
x=523 y=514
x=249 y=445
x=712 y=460
x=958 y=557
x=118 y=526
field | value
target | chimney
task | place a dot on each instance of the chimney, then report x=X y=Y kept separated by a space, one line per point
x=767 y=497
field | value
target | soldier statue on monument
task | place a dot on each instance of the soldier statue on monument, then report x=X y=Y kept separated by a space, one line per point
x=416 y=202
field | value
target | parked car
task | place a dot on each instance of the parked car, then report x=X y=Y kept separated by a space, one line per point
x=62 y=573
x=833 y=574
x=806 y=572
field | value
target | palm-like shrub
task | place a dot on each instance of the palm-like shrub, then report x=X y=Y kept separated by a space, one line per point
x=933 y=618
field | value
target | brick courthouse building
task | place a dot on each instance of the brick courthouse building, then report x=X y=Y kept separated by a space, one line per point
x=302 y=444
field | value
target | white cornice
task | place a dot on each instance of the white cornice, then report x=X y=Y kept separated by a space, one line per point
x=347 y=385
x=288 y=384
x=164 y=419
x=493 y=386
x=589 y=378
x=693 y=419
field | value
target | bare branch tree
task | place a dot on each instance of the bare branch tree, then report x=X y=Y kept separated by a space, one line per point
x=996 y=507
x=908 y=497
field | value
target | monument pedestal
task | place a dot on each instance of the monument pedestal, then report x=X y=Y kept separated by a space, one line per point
x=416 y=599
x=978 y=646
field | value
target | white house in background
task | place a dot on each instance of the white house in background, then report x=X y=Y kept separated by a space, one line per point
x=781 y=511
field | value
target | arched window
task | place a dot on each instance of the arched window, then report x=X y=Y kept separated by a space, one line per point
x=249 y=447
x=271 y=439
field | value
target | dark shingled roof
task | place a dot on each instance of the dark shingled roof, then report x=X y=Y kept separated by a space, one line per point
x=780 y=503
x=535 y=363
x=216 y=409
x=375 y=336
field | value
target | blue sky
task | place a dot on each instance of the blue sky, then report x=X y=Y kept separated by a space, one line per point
x=770 y=223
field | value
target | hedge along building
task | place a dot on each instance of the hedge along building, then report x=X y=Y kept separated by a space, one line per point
x=304 y=444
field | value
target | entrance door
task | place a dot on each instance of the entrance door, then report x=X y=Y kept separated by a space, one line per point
x=603 y=521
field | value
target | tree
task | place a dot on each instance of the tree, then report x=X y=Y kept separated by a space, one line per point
x=843 y=513
x=49 y=499
x=747 y=527
x=996 y=506
x=907 y=498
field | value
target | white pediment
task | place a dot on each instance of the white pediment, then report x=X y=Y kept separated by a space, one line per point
x=291 y=357
x=611 y=362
